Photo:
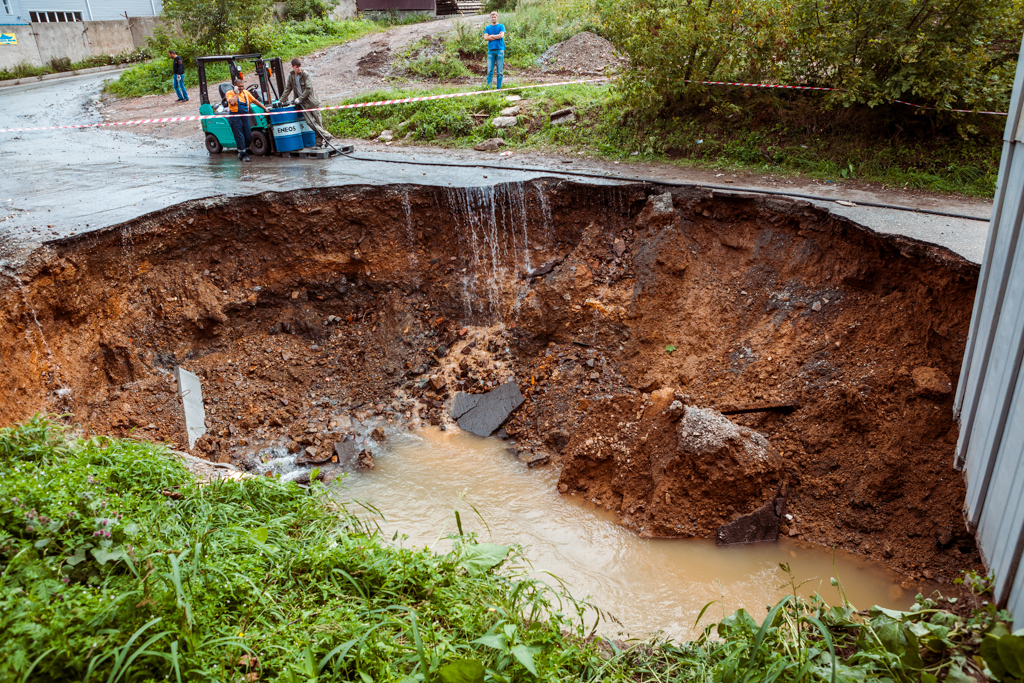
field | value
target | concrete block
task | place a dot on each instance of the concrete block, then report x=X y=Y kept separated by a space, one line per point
x=191 y=392
x=481 y=414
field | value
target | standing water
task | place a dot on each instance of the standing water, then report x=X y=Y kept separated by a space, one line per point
x=648 y=585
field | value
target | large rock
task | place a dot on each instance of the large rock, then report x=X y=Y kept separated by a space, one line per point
x=312 y=455
x=489 y=145
x=481 y=414
x=760 y=525
x=670 y=469
x=504 y=121
x=658 y=211
x=345 y=451
x=931 y=382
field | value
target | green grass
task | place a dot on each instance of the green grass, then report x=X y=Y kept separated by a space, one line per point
x=116 y=565
x=782 y=136
x=57 y=65
x=285 y=40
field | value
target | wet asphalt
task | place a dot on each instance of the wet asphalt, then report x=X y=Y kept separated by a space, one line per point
x=57 y=183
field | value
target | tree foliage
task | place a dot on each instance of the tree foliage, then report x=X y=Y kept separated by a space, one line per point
x=210 y=25
x=940 y=53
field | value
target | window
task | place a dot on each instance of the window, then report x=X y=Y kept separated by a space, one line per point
x=47 y=17
x=7 y=7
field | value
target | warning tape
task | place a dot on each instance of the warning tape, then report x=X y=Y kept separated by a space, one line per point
x=357 y=105
x=427 y=98
x=808 y=87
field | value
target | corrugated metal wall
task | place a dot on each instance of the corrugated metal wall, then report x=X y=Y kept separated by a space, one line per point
x=990 y=395
x=94 y=10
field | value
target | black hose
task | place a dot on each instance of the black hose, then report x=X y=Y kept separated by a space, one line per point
x=670 y=183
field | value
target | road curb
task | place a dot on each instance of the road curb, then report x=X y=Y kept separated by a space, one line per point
x=63 y=74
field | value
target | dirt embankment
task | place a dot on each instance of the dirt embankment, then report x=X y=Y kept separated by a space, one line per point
x=300 y=309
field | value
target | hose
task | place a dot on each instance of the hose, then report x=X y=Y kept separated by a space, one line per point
x=669 y=183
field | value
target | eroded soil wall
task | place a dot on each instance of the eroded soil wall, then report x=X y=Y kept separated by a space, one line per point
x=294 y=307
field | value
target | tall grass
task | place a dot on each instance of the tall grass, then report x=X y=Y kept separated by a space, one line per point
x=117 y=565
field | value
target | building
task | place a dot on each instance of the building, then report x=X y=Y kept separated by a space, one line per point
x=22 y=12
x=34 y=32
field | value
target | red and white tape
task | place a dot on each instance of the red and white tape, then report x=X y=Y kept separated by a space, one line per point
x=808 y=87
x=357 y=105
x=406 y=100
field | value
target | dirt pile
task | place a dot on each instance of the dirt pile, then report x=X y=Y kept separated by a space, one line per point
x=669 y=469
x=318 y=315
x=584 y=53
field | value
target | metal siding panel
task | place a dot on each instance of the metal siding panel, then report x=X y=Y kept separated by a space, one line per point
x=384 y=5
x=989 y=405
x=55 y=6
x=105 y=11
x=1002 y=520
x=1015 y=603
x=973 y=366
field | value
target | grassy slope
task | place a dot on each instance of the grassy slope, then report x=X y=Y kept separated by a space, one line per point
x=761 y=132
x=116 y=565
x=291 y=39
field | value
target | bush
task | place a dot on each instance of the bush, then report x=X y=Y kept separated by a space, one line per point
x=947 y=53
x=301 y=10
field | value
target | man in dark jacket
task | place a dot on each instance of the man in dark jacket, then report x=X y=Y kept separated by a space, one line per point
x=178 y=71
x=299 y=91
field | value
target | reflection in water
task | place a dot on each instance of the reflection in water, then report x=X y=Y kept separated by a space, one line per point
x=646 y=584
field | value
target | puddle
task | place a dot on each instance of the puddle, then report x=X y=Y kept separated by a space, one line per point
x=646 y=584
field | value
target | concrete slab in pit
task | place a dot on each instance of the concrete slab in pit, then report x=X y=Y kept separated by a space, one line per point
x=191 y=392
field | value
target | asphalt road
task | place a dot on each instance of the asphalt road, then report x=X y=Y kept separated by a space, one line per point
x=57 y=183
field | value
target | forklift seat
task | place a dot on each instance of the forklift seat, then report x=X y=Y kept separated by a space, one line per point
x=224 y=89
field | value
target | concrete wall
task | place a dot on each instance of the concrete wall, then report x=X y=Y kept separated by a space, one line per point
x=39 y=43
x=345 y=9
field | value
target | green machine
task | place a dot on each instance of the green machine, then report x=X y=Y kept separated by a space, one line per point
x=267 y=89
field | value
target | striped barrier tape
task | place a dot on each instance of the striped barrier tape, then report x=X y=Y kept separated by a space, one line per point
x=808 y=87
x=426 y=98
x=357 y=105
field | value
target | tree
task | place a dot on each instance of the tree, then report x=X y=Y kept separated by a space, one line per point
x=209 y=24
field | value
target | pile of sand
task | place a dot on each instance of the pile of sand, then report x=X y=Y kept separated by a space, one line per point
x=584 y=53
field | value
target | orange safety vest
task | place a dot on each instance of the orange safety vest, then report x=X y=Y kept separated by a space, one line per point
x=232 y=97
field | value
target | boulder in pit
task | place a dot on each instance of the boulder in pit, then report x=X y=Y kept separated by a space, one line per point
x=482 y=414
x=669 y=469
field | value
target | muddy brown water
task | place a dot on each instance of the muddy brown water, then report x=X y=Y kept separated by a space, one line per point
x=648 y=585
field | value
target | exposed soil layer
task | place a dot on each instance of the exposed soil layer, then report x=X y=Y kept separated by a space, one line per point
x=612 y=307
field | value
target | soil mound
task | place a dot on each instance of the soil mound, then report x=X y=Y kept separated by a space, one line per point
x=670 y=470
x=584 y=53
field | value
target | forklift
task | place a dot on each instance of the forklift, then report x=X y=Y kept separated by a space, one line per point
x=275 y=130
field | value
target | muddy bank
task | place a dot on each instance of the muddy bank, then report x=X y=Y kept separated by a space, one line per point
x=608 y=306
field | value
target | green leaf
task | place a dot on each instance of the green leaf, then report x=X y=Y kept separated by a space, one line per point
x=956 y=675
x=496 y=640
x=480 y=558
x=462 y=671
x=525 y=656
x=899 y=640
x=260 y=535
x=79 y=555
x=891 y=613
x=41 y=543
x=990 y=653
x=670 y=348
x=131 y=528
x=1011 y=653
x=103 y=556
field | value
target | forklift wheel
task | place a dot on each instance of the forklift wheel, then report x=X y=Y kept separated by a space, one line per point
x=213 y=145
x=260 y=143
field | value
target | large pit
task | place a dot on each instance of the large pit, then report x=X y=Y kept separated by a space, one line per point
x=607 y=306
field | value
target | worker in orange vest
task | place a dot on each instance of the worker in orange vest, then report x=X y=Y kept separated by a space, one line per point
x=240 y=101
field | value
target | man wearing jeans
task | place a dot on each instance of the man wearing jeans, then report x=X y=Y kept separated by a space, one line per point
x=178 y=76
x=495 y=37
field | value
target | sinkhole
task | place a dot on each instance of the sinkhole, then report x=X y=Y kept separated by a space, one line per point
x=629 y=317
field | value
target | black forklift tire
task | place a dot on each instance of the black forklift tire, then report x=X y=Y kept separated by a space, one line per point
x=213 y=145
x=260 y=143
